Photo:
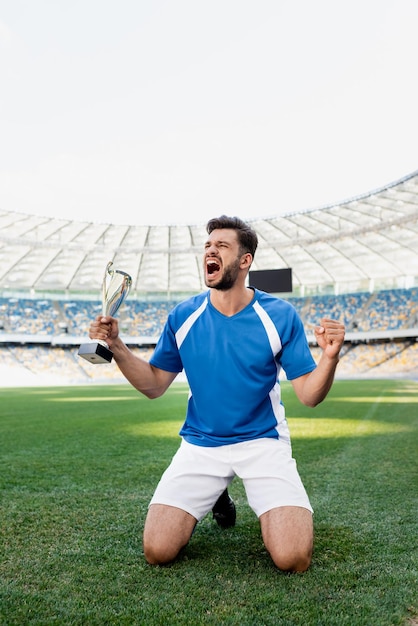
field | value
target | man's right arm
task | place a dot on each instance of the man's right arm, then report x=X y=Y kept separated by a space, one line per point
x=149 y=380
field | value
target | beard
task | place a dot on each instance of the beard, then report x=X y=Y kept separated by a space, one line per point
x=229 y=277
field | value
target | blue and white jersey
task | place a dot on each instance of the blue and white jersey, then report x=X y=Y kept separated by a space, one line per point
x=232 y=365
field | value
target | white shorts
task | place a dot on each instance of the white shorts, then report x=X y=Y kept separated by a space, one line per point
x=197 y=476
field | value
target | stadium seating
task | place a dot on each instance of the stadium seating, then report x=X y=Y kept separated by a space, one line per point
x=46 y=318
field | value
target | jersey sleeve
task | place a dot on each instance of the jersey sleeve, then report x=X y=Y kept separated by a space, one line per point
x=295 y=356
x=166 y=355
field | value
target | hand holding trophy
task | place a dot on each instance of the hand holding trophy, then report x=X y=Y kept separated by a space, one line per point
x=115 y=288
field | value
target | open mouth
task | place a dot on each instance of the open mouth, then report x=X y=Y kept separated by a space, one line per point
x=212 y=266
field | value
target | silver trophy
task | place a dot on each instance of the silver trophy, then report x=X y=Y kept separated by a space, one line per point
x=115 y=288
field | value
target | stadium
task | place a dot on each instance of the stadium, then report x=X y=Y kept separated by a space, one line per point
x=356 y=261
x=82 y=451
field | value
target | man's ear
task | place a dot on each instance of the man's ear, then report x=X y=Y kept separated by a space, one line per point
x=246 y=261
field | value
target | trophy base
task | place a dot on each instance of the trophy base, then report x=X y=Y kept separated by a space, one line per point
x=95 y=353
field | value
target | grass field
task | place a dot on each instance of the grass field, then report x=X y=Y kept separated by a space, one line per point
x=79 y=465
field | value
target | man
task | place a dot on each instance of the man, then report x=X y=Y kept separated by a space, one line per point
x=231 y=341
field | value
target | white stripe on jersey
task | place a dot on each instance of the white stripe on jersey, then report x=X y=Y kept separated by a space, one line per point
x=181 y=334
x=280 y=414
x=271 y=330
x=275 y=394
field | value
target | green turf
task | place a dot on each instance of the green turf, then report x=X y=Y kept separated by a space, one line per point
x=79 y=465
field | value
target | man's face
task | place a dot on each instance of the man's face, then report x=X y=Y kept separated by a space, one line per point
x=222 y=258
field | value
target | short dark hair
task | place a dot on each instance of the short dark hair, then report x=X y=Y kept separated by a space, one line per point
x=247 y=236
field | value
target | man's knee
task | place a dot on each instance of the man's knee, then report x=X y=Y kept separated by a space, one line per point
x=159 y=554
x=288 y=536
x=292 y=561
x=167 y=530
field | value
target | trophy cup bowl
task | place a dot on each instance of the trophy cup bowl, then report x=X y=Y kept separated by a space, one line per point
x=115 y=288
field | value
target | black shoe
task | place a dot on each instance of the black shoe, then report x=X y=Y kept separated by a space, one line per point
x=224 y=511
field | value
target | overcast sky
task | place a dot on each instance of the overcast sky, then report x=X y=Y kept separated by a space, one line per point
x=141 y=111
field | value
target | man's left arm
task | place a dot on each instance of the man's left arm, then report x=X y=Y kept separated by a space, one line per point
x=312 y=388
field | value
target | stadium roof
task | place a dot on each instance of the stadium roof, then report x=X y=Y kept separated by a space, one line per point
x=365 y=241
